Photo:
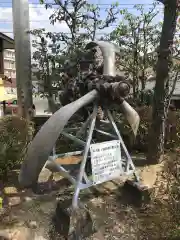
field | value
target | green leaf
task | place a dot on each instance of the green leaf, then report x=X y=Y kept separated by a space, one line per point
x=115 y=4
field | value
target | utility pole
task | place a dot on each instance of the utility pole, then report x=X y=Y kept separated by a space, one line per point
x=22 y=56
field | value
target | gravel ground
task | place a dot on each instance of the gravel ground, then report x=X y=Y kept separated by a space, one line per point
x=112 y=216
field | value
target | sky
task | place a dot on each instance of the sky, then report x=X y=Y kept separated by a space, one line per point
x=39 y=16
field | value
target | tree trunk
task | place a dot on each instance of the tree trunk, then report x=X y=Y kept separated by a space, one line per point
x=157 y=129
x=51 y=103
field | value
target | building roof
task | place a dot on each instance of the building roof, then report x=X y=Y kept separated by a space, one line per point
x=176 y=94
x=151 y=83
x=8 y=42
x=5 y=37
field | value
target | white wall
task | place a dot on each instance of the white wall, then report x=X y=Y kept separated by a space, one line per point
x=41 y=105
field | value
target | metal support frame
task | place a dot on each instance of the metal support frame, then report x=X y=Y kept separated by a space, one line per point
x=127 y=162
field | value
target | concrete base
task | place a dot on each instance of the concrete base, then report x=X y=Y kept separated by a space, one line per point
x=136 y=193
x=72 y=224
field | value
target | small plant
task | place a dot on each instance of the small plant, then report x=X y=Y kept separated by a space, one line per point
x=15 y=135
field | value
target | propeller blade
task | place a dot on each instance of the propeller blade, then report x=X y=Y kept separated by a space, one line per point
x=131 y=115
x=44 y=141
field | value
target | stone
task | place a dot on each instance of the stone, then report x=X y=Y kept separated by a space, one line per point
x=39 y=237
x=10 y=190
x=22 y=233
x=32 y=224
x=71 y=223
x=4 y=214
x=4 y=235
x=141 y=193
x=44 y=175
x=150 y=174
x=136 y=193
x=14 y=201
x=28 y=199
x=111 y=186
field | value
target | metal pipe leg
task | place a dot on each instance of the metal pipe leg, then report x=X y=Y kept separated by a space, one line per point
x=54 y=153
x=129 y=159
x=86 y=177
x=85 y=155
x=84 y=127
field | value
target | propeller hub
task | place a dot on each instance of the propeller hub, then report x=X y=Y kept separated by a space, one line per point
x=124 y=89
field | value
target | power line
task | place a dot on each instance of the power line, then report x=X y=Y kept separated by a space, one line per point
x=101 y=4
x=127 y=4
x=45 y=20
x=103 y=33
x=31 y=21
x=101 y=8
x=98 y=5
x=36 y=21
x=68 y=33
x=38 y=5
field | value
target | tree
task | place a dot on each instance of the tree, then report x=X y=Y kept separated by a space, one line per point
x=80 y=15
x=159 y=113
x=46 y=63
x=83 y=21
x=137 y=35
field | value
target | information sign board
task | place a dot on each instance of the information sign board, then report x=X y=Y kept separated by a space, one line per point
x=106 y=161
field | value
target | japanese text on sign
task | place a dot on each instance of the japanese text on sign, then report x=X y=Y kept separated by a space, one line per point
x=106 y=161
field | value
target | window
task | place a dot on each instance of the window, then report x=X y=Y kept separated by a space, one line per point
x=5 y=54
x=13 y=74
x=9 y=54
x=9 y=64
